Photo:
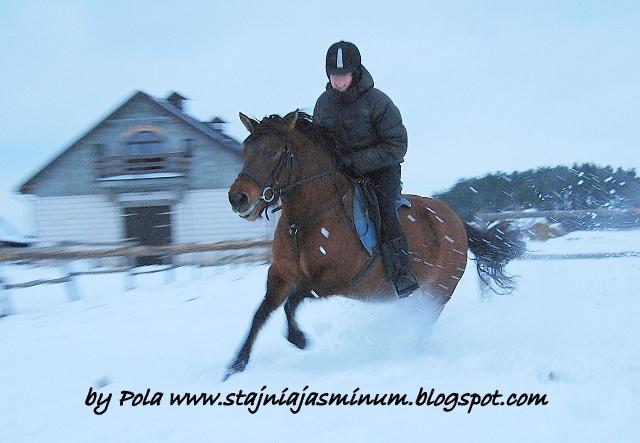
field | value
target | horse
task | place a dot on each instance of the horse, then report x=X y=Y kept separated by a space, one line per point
x=316 y=251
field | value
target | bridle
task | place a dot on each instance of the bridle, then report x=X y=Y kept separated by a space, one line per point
x=271 y=188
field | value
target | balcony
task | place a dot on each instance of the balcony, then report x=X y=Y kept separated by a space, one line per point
x=143 y=172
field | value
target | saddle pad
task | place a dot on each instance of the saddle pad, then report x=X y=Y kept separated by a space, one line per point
x=364 y=225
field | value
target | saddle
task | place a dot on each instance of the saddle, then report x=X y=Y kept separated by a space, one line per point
x=366 y=216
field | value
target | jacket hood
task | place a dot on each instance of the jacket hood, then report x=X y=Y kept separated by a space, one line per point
x=362 y=84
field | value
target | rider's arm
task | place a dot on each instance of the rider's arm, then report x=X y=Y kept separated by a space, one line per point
x=392 y=136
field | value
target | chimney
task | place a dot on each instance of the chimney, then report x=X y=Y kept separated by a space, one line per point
x=177 y=101
x=216 y=124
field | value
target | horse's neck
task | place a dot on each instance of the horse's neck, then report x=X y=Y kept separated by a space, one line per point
x=309 y=198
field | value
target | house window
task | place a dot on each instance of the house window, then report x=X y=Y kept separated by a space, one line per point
x=144 y=143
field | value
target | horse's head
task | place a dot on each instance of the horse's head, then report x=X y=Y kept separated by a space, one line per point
x=267 y=164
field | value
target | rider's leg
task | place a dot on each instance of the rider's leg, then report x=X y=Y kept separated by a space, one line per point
x=395 y=251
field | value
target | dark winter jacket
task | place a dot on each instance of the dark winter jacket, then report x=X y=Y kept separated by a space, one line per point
x=366 y=121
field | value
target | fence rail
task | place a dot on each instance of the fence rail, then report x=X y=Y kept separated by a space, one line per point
x=62 y=253
x=80 y=252
x=558 y=215
x=581 y=256
x=68 y=254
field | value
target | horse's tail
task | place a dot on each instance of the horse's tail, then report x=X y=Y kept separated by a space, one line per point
x=493 y=248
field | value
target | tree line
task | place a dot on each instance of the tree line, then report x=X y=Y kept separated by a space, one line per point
x=585 y=186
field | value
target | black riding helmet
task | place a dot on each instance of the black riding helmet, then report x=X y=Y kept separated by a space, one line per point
x=342 y=58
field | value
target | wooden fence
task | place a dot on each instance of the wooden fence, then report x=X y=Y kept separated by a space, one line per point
x=558 y=215
x=573 y=219
x=66 y=254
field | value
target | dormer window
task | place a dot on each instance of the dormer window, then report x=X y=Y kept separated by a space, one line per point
x=144 y=143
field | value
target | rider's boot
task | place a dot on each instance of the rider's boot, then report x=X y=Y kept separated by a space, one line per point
x=396 y=260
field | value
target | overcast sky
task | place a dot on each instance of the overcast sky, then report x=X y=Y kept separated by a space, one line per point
x=482 y=85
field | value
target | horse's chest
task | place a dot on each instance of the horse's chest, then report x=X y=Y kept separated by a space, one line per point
x=322 y=251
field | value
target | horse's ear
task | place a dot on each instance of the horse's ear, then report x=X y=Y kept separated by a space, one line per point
x=290 y=119
x=248 y=122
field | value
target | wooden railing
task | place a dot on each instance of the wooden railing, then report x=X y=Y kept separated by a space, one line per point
x=558 y=215
x=66 y=253
x=169 y=162
x=63 y=256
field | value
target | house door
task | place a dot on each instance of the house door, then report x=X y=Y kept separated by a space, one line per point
x=149 y=225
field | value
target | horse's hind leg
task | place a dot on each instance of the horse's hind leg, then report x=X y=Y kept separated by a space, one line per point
x=295 y=335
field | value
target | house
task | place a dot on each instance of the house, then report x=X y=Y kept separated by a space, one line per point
x=148 y=172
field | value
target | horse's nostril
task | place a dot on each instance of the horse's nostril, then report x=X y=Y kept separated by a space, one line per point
x=239 y=200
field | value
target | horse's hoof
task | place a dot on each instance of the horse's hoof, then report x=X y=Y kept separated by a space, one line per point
x=297 y=339
x=238 y=366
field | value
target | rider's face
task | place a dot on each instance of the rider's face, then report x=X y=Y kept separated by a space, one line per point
x=341 y=82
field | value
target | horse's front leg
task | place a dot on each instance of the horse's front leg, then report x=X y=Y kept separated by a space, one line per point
x=277 y=291
x=295 y=335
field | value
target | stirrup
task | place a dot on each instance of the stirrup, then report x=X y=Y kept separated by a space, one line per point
x=405 y=284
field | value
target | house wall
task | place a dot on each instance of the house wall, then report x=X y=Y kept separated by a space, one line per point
x=80 y=218
x=202 y=216
x=206 y=216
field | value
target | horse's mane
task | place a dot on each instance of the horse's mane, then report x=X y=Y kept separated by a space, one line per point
x=320 y=135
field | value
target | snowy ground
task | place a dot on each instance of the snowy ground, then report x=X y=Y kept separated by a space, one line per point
x=570 y=331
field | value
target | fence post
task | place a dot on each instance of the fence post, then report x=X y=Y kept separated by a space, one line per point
x=169 y=276
x=72 y=289
x=6 y=308
x=129 y=282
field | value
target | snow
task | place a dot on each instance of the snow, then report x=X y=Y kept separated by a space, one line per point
x=570 y=331
x=588 y=242
x=9 y=234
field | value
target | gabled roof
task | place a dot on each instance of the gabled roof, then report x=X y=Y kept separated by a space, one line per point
x=218 y=137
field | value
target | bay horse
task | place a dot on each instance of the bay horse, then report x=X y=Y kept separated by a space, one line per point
x=316 y=251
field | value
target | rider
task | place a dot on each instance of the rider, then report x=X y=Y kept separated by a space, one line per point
x=370 y=127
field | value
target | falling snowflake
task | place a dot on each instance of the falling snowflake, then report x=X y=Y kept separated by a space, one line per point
x=324 y=252
x=449 y=239
x=411 y=217
x=581 y=182
x=472 y=189
x=324 y=231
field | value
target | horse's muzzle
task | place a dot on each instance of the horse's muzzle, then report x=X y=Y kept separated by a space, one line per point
x=241 y=206
x=239 y=201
